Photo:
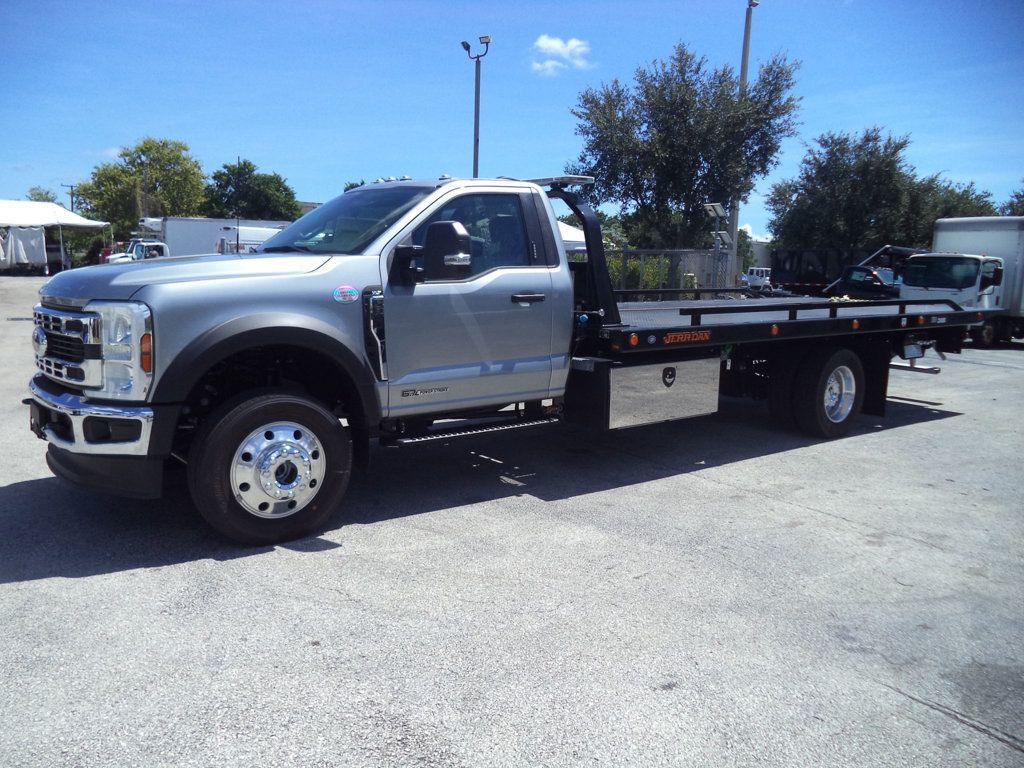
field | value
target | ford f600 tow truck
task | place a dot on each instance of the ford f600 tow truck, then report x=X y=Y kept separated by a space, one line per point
x=411 y=311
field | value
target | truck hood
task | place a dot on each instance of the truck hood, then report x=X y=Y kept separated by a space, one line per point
x=118 y=282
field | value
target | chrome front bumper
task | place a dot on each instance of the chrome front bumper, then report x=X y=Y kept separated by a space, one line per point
x=68 y=421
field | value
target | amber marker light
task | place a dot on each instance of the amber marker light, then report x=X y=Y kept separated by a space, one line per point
x=856 y=324
x=775 y=330
x=633 y=339
x=146 y=352
x=920 y=319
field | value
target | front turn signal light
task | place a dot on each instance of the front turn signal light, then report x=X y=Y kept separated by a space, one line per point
x=146 y=352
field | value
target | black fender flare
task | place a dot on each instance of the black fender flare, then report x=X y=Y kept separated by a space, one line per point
x=240 y=334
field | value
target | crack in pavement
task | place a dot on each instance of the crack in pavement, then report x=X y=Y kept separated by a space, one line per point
x=1013 y=742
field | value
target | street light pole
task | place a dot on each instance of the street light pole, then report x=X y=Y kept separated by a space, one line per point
x=486 y=40
x=734 y=208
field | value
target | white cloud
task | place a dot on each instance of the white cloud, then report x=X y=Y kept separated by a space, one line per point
x=112 y=152
x=547 y=67
x=554 y=55
x=756 y=238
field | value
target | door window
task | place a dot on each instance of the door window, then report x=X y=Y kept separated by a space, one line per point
x=496 y=227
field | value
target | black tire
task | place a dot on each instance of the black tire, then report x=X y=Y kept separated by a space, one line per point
x=316 y=458
x=985 y=336
x=813 y=379
x=780 y=392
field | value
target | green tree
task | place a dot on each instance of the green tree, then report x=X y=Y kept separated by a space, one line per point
x=237 y=189
x=40 y=195
x=353 y=184
x=156 y=177
x=678 y=137
x=744 y=250
x=860 y=192
x=1015 y=205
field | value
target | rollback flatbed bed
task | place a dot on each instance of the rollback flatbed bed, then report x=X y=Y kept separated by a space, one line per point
x=818 y=363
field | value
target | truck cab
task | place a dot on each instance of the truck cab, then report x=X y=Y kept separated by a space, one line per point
x=139 y=249
x=970 y=281
x=757 y=279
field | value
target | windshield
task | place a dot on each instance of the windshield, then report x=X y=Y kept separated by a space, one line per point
x=866 y=275
x=349 y=223
x=941 y=272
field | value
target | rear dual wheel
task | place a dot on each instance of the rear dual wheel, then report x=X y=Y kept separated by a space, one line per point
x=269 y=467
x=828 y=392
x=820 y=393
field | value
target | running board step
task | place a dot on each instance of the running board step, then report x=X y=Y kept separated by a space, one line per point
x=454 y=433
x=915 y=368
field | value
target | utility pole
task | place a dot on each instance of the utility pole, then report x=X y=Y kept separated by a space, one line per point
x=734 y=206
x=71 y=194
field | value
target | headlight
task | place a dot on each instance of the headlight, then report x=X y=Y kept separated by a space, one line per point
x=126 y=331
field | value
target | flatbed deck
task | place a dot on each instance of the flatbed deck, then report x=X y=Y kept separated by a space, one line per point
x=653 y=326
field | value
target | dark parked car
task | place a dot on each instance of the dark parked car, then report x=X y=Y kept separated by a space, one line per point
x=865 y=283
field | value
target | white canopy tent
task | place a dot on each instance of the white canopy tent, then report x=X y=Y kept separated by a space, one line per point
x=572 y=237
x=25 y=220
x=27 y=213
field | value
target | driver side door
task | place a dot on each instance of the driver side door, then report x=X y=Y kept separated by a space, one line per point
x=479 y=335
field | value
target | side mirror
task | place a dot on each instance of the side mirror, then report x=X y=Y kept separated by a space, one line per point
x=404 y=265
x=996 y=278
x=446 y=251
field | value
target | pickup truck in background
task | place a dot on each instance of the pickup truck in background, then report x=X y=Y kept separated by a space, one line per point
x=412 y=311
x=863 y=282
x=139 y=248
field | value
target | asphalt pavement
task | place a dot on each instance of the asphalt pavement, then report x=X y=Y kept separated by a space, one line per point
x=708 y=592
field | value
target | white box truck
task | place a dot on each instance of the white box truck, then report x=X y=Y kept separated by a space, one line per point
x=978 y=262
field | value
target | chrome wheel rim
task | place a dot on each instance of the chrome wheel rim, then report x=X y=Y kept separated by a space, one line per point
x=840 y=392
x=278 y=470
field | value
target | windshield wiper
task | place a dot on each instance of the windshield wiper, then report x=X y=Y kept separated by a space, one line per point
x=286 y=249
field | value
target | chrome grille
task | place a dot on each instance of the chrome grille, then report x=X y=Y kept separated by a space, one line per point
x=66 y=348
x=71 y=351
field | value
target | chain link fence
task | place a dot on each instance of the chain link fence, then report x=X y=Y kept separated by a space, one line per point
x=650 y=269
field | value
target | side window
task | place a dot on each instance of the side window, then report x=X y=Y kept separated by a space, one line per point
x=494 y=222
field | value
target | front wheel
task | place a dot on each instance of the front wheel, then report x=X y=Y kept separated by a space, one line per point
x=828 y=392
x=271 y=467
x=985 y=336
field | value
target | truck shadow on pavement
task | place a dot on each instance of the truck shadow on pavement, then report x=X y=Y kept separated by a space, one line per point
x=567 y=462
x=51 y=529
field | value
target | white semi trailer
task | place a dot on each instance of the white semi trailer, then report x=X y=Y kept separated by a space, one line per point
x=187 y=236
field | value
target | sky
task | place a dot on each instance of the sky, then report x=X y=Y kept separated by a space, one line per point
x=326 y=92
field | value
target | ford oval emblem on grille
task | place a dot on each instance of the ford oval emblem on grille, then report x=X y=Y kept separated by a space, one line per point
x=39 y=341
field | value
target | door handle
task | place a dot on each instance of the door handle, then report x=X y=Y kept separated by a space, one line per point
x=526 y=298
